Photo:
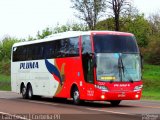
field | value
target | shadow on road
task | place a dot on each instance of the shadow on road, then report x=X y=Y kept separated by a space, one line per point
x=97 y=104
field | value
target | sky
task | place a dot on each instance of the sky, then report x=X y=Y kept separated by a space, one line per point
x=21 y=18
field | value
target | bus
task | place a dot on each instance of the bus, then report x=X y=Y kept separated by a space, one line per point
x=83 y=66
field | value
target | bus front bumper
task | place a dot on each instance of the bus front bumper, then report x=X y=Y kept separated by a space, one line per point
x=122 y=95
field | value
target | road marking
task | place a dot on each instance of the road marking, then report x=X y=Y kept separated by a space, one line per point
x=158 y=107
x=12 y=116
x=108 y=111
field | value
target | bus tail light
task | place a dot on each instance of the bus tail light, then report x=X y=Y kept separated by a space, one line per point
x=101 y=87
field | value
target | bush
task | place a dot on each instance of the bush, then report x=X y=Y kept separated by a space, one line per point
x=5 y=68
x=151 y=53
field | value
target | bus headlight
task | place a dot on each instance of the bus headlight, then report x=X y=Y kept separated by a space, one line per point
x=137 y=88
x=101 y=87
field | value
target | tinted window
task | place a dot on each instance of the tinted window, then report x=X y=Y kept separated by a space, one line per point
x=73 y=48
x=88 y=69
x=48 y=50
x=86 y=44
x=115 y=44
x=54 y=49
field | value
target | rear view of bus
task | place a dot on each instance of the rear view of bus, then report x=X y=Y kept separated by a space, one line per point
x=117 y=67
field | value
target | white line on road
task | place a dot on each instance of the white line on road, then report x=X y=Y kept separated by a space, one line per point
x=108 y=111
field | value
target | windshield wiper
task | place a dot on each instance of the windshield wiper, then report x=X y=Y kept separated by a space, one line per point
x=122 y=68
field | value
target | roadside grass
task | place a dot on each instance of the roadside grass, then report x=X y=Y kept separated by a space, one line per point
x=150 y=95
x=5 y=82
x=151 y=81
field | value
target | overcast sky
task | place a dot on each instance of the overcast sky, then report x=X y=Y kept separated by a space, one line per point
x=21 y=18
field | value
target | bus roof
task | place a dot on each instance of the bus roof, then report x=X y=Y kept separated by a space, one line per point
x=68 y=35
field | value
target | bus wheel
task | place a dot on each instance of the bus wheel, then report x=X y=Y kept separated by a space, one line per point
x=24 y=92
x=115 y=102
x=76 y=96
x=29 y=92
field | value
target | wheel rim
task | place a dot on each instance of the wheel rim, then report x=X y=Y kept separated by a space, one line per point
x=29 y=93
x=76 y=95
x=23 y=91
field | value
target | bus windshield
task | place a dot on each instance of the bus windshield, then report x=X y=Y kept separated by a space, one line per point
x=110 y=68
x=117 y=58
x=115 y=44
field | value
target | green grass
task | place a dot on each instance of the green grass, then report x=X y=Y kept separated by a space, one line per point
x=151 y=95
x=5 y=82
x=151 y=81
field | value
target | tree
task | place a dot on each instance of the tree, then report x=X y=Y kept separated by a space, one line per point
x=154 y=20
x=69 y=27
x=136 y=24
x=118 y=8
x=46 y=32
x=89 y=11
x=140 y=27
x=153 y=48
x=58 y=29
x=6 y=47
x=30 y=38
x=107 y=24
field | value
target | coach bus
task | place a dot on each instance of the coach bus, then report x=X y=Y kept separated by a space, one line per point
x=91 y=65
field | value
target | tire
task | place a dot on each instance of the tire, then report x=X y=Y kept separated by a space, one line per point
x=29 y=92
x=24 y=92
x=115 y=102
x=76 y=96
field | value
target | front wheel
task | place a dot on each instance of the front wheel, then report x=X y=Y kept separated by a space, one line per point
x=76 y=96
x=115 y=102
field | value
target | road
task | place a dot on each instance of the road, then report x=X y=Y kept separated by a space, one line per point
x=13 y=107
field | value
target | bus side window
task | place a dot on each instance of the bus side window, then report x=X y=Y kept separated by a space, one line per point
x=57 y=45
x=49 y=48
x=64 y=48
x=23 y=53
x=73 y=48
x=29 y=52
x=15 y=54
x=87 y=60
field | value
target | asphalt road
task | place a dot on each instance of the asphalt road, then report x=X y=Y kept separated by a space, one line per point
x=13 y=107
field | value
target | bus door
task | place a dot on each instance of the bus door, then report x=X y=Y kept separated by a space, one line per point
x=88 y=67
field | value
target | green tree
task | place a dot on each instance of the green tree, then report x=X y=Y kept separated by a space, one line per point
x=135 y=24
x=140 y=27
x=107 y=24
x=154 y=20
x=152 y=51
x=89 y=11
x=6 y=46
x=119 y=8
x=58 y=29
x=30 y=38
x=69 y=27
x=46 y=32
